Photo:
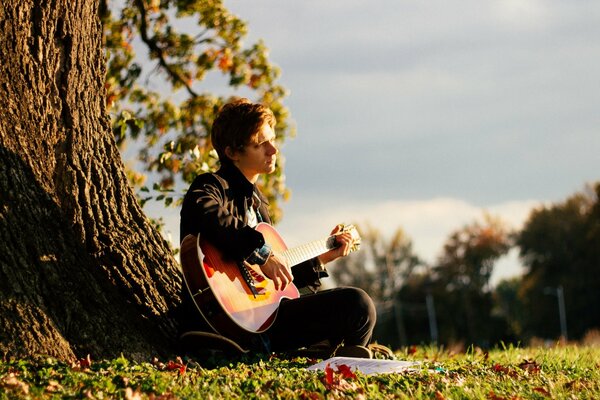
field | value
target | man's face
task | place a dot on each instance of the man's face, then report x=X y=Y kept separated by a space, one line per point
x=259 y=156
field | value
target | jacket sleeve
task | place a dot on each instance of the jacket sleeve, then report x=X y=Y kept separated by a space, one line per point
x=309 y=274
x=207 y=211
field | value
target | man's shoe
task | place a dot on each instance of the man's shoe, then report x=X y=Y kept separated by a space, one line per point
x=354 y=351
x=318 y=350
x=381 y=352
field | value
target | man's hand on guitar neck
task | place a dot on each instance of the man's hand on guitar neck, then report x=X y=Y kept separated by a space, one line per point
x=344 y=241
x=277 y=269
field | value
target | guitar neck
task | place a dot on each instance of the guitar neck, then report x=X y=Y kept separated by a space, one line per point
x=297 y=255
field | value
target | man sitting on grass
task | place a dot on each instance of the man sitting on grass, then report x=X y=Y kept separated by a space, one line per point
x=225 y=207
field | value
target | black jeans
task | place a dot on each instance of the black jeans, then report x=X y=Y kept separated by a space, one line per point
x=342 y=314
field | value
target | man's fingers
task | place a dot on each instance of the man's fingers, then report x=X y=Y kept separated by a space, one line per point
x=288 y=273
x=278 y=271
x=337 y=228
x=345 y=242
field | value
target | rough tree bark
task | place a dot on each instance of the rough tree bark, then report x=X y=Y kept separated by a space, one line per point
x=82 y=271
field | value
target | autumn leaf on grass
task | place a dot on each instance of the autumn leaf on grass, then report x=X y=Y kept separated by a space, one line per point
x=577 y=384
x=343 y=373
x=306 y=395
x=494 y=396
x=328 y=375
x=501 y=369
x=82 y=364
x=11 y=382
x=530 y=366
x=542 y=391
x=346 y=372
x=172 y=366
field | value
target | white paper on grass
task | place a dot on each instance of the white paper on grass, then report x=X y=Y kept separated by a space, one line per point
x=367 y=366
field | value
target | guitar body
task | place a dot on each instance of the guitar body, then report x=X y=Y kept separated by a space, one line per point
x=232 y=304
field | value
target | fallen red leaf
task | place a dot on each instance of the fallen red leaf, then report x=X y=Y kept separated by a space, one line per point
x=337 y=380
x=328 y=375
x=530 y=366
x=439 y=395
x=542 y=391
x=310 y=395
x=575 y=385
x=86 y=362
x=504 y=370
x=500 y=368
x=172 y=365
x=494 y=396
x=82 y=363
x=346 y=372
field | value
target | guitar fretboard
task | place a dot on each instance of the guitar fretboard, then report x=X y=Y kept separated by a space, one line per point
x=307 y=251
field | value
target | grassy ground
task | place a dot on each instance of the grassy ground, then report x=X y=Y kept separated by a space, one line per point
x=569 y=372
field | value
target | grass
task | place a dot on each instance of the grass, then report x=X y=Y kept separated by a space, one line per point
x=562 y=372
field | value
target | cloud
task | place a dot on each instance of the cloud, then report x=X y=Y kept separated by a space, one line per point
x=428 y=222
x=522 y=14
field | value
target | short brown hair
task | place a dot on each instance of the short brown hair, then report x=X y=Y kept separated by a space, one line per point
x=236 y=123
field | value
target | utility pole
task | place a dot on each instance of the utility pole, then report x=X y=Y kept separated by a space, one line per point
x=433 y=330
x=562 y=313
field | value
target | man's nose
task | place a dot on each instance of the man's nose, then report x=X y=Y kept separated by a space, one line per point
x=273 y=148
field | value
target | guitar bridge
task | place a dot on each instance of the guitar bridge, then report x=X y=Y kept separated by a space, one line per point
x=250 y=277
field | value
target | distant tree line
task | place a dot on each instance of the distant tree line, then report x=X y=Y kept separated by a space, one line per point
x=451 y=300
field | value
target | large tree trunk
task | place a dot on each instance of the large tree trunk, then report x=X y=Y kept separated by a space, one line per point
x=82 y=271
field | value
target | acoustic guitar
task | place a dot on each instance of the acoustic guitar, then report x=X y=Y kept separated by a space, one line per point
x=238 y=300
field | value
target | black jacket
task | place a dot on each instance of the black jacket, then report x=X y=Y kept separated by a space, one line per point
x=215 y=207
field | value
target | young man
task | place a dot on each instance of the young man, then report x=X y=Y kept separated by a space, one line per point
x=224 y=207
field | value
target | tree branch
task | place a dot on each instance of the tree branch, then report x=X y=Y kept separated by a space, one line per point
x=157 y=51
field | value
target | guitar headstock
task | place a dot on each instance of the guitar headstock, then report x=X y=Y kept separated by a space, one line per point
x=355 y=236
x=351 y=229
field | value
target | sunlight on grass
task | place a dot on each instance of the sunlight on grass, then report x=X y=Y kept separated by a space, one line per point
x=507 y=373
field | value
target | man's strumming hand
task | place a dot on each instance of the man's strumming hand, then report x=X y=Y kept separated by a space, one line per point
x=276 y=268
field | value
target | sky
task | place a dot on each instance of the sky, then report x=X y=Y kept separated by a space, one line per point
x=424 y=115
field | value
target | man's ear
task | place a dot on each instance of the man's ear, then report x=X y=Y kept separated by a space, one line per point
x=230 y=153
